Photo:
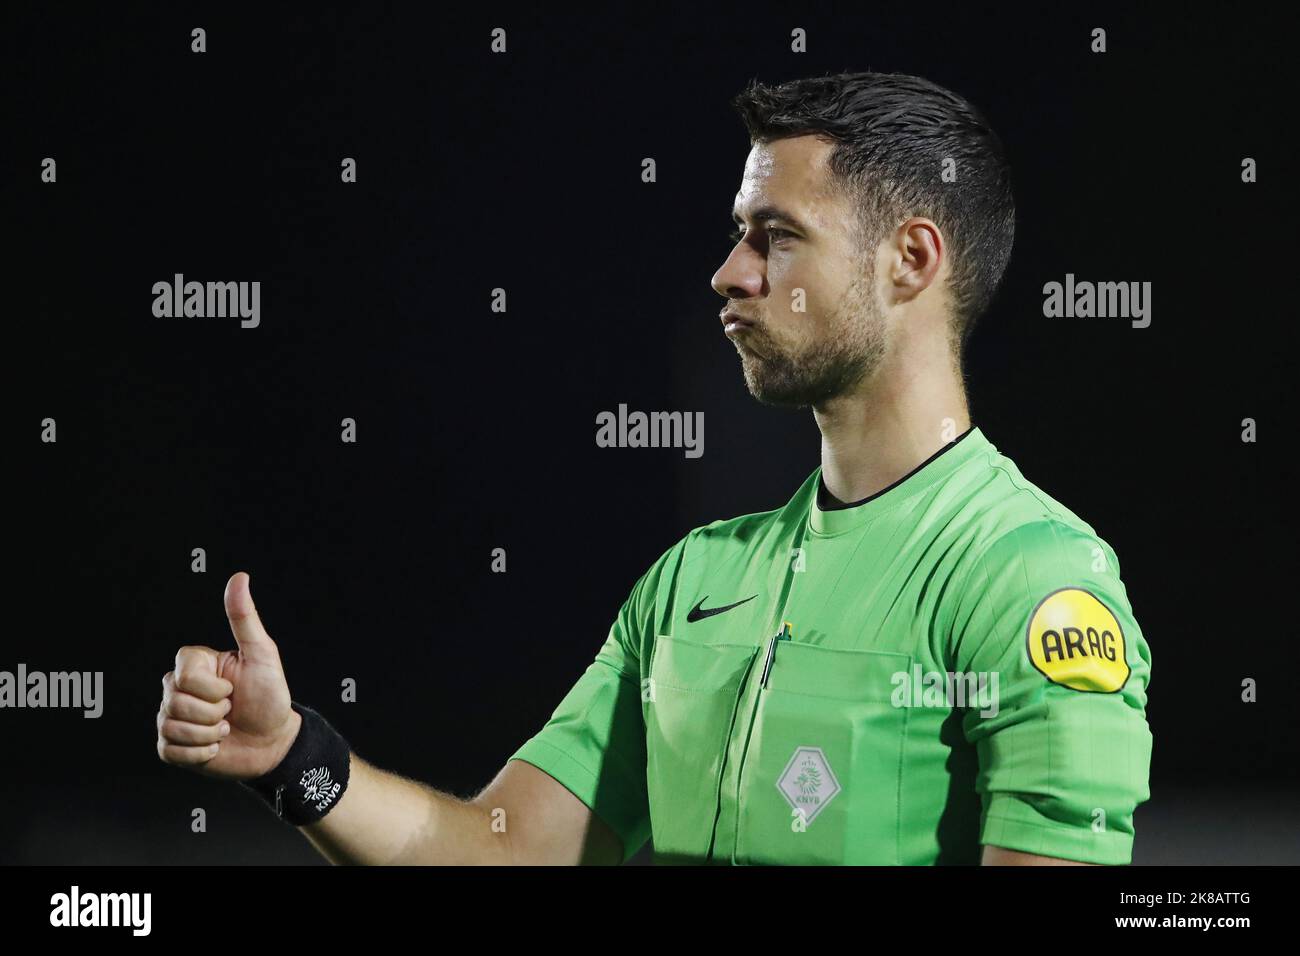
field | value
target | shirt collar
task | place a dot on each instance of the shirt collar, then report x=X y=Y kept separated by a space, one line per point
x=929 y=473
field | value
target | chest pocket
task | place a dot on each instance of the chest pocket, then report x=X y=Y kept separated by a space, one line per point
x=695 y=692
x=827 y=741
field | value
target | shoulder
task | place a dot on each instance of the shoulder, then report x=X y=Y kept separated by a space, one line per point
x=1039 y=593
x=742 y=529
x=750 y=533
x=711 y=541
x=1019 y=523
x=708 y=538
x=725 y=542
x=1029 y=551
x=1043 y=550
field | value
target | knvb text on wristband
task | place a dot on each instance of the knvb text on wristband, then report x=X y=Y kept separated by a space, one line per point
x=313 y=775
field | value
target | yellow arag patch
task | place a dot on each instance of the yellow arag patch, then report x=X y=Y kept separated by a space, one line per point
x=1075 y=640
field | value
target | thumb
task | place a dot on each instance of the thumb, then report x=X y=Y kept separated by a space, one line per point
x=247 y=627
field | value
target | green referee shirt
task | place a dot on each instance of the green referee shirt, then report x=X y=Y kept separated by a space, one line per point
x=952 y=662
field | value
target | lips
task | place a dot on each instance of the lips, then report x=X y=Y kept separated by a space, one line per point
x=734 y=322
x=742 y=333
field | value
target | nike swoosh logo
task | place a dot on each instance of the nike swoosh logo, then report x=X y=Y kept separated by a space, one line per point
x=699 y=612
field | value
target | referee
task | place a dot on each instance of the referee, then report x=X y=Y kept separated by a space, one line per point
x=921 y=658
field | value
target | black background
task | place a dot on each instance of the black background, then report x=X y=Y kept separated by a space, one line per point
x=476 y=429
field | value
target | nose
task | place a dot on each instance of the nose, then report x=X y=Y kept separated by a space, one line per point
x=741 y=275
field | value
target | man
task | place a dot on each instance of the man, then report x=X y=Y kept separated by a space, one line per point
x=921 y=658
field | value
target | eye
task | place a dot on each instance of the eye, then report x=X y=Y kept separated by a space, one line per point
x=775 y=234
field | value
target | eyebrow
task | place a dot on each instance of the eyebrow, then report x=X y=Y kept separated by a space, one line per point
x=767 y=214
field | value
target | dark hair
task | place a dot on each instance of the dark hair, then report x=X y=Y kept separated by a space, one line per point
x=892 y=133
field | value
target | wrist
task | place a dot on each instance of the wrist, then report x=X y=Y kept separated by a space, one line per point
x=312 y=774
x=285 y=738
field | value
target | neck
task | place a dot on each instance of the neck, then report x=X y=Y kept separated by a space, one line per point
x=912 y=406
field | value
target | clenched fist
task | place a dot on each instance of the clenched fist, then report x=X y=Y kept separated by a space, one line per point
x=227 y=713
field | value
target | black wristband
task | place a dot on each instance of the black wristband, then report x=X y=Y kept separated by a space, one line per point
x=311 y=778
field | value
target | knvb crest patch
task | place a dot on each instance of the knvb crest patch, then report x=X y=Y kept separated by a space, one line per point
x=808 y=782
x=318 y=785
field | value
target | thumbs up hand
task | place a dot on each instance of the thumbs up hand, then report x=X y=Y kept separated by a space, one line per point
x=227 y=713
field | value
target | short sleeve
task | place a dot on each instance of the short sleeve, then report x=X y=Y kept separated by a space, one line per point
x=595 y=743
x=1064 y=749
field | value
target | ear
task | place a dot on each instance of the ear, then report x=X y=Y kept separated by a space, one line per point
x=917 y=252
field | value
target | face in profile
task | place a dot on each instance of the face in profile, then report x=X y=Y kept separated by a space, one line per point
x=802 y=310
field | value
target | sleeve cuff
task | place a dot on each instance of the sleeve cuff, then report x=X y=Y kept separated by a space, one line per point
x=582 y=783
x=1014 y=824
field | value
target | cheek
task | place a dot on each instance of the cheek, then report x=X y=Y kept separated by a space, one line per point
x=797 y=290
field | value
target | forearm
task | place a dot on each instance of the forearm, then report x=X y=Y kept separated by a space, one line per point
x=1000 y=856
x=383 y=818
